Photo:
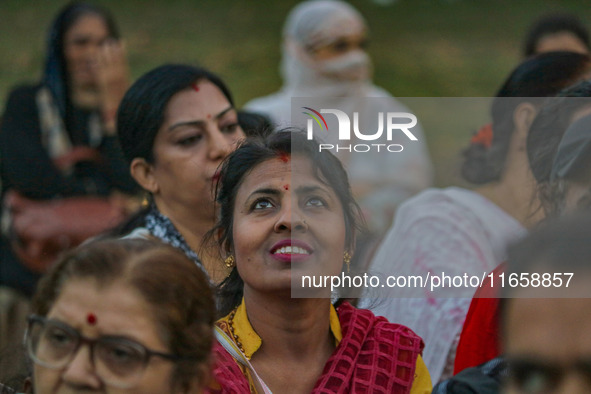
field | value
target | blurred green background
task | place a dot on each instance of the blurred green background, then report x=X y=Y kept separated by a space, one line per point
x=432 y=48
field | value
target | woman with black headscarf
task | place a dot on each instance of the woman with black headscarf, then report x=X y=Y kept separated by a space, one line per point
x=63 y=175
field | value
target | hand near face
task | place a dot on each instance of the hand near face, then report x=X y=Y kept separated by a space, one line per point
x=112 y=76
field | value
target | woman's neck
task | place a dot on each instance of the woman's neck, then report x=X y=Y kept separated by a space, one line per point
x=289 y=326
x=515 y=194
x=193 y=225
x=296 y=339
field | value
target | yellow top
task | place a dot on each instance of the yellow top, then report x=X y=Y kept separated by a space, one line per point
x=251 y=342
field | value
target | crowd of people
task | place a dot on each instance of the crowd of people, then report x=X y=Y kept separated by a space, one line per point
x=153 y=233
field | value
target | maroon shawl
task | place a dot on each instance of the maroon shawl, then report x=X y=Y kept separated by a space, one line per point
x=374 y=356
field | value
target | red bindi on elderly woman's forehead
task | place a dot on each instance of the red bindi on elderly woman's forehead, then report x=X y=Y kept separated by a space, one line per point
x=91 y=319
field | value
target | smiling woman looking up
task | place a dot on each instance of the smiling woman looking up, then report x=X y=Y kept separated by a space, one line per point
x=284 y=208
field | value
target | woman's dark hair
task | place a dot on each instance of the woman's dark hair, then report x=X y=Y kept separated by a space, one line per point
x=552 y=24
x=241 y=162
x=536 y=78
x=254 y=124
x=176 y=289
x=141 y=112
x=55 y=76
x=545 y=134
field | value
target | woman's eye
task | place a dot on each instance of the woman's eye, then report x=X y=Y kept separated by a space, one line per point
x=341 y=46
x=262 y=204
x=119 y=353
x=315 y=202
x=80 y=41
x=229 y=129
x=534 y=378
x=58 y=337
x=535 y=382
x=191 y=140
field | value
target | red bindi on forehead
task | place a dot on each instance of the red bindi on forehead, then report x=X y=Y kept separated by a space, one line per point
x=286 y=187
x=195 y=87
x=91 y=319
x=284 y=157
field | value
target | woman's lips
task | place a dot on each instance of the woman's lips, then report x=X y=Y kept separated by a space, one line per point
x=289 y=250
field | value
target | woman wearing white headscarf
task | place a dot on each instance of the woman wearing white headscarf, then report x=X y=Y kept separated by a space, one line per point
x=324 y=57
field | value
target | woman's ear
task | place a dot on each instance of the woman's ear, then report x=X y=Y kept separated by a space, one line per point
x=143 y=173
x=523 y=117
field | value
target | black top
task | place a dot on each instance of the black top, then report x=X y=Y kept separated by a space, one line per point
x=25 y=166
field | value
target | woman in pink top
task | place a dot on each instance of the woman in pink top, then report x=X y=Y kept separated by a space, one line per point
x=460 y=231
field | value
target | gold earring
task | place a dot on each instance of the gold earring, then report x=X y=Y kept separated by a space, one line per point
x=347 y=259
x=230 y=261
x=145 y=201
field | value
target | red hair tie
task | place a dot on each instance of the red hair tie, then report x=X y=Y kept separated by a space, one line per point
x=484 y=136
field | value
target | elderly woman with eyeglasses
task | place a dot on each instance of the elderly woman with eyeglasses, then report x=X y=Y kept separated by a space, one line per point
x=107 y=318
